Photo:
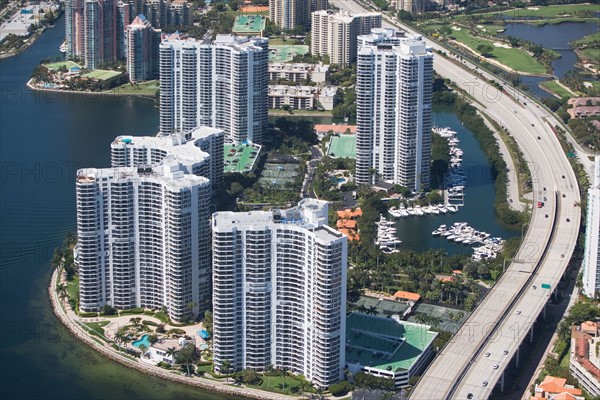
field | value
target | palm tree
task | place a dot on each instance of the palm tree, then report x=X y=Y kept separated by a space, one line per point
x=372 y=310
x=57 y=258
x=190 y=307
x=361 y=309
x=186 y=357
x=172 y=352
x=119 y=338
x=421 y=318
x=61 y=289
x=283 y=374
x=143 y=349
x=226 y=368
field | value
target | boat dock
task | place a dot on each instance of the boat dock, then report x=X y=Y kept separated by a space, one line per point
x=386 y=236
x=462 y=233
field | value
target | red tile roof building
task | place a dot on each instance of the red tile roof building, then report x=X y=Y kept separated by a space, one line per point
x=584 y=358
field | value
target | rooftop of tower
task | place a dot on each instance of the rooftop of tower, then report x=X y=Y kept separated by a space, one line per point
x=170 y=173
x=309 y=213
x=180 y=145
x=388 y=39
x=242 y=43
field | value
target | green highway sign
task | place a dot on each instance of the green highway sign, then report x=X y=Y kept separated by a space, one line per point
x=545 y=286
x=570 y=154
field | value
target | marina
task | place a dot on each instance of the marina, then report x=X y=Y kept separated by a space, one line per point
x=462 y=233
x=418 y=211
x=386 y=236
x=456 y=179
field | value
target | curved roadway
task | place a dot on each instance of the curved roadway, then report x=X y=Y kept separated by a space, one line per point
x=505 y=315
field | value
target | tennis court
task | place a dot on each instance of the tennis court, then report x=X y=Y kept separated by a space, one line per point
x=249 y=24
x=278 y=174
x=342 y=146
x=442 y=313
x=384 y=307
x=56 y=65
x=286 y=53
x=101 y=74
x=240 y=158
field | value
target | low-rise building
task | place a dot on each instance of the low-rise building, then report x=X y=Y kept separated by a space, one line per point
x=584 y=107
x=584 y=357
x=556 y=388
x=327 y=97
x=323 y=129
x=387 y=348
x=301 y=97
x=298 y=72
x=320 y=73
x=161 y=350
x=297 y=97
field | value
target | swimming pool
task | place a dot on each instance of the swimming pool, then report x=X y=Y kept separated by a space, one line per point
x=143 y=341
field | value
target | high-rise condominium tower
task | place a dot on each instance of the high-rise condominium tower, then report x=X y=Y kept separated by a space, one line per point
x=393 y=107
x=143 y=226
x=139 y=233
x=279 y=291
x=223 y=84
x=591 y=258
x=291 y=14
x=335 y=34
x=100 y=35
x=95 y=29
x=142 y=50
x=74 y=27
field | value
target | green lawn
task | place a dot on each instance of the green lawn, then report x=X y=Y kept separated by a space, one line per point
x=101 y=74
x=517 y=59
x=148 y=88
x=275 y=384
x=97 y=326
x=490 y=29
x=56 y=65
x=543 y=11
x=554 y=21
x=591 y=54
x=594 y=37
x=204 y=368
x=430 y=28
x=73 y=287
x=555 y=87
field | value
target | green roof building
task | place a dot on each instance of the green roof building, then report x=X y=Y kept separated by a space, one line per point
x=387 y=348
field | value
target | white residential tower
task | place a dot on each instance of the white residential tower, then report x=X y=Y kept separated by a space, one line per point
x=222 y=84
x=279 y=291
x=393 y=107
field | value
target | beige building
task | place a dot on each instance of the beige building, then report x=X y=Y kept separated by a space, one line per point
x=585 y=360
x=289 y=14
x=298 y=72
x=335 y=34
x=412 y=6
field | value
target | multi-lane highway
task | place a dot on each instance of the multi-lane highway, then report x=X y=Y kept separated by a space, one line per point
x=474 y=360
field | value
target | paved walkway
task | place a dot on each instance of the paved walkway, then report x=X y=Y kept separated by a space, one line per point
x=69 y=318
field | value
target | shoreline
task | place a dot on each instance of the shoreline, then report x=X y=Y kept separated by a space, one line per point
x=80 y=334
x=32 y=39
x=31 y=86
